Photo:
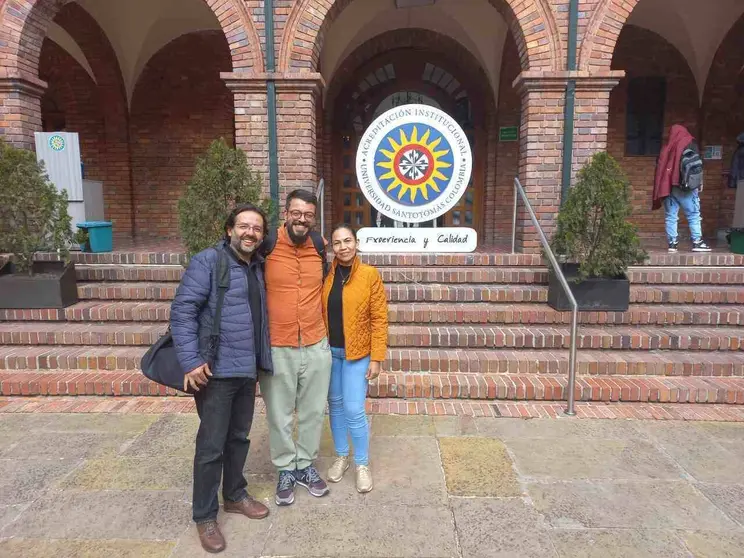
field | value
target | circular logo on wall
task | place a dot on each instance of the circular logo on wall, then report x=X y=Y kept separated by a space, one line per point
x=57 y=143
x=413 y=163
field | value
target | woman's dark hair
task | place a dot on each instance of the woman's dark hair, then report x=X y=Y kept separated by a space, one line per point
x=242 y=208
x=304 y=195
x=346 y=226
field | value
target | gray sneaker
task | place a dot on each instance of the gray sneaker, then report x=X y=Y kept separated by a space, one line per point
x=285 y=488
x=310 y=479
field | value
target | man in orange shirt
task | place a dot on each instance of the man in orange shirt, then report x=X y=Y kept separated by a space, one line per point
x=299 y=349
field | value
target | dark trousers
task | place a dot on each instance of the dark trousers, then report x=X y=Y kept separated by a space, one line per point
x=225 y=408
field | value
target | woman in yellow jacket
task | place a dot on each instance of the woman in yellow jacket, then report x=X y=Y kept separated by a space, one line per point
x=355 y=313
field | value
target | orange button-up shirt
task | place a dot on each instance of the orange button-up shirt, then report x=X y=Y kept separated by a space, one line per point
x=294 y=282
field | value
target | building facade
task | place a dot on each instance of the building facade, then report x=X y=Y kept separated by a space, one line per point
x=148 y=84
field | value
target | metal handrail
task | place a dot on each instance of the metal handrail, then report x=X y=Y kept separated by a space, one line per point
x=320 y=194
x=570 y=410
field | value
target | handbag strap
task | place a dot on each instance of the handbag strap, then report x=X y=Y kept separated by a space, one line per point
x=223 y=283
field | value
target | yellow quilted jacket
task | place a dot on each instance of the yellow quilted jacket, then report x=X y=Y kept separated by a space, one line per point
x=365 y=311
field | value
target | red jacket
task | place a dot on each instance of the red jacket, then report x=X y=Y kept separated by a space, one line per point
x=667 y=167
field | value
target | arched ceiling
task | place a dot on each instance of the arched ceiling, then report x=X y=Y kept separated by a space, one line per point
x=137 y=29
x=475 y=24
x=695 y=28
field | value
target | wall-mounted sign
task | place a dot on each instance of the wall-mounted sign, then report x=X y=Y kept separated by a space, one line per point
x=386 y=240
x=413 y=163
x=713 y=152
x=509 y=133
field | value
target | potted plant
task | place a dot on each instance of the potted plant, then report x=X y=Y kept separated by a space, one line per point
x=221 y=180
x=595 y=241
x=33 y=217
x=83 y=239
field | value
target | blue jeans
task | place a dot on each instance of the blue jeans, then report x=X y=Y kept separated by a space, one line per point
x=346 y=396
x=690 y=204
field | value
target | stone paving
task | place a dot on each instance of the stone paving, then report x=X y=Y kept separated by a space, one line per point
x=109 y=485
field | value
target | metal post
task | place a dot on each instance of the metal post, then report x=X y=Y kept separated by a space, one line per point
x=514 y=220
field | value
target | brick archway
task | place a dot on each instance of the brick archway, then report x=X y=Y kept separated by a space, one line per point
x=532 y=25
x=602 y=33
x=24 y=24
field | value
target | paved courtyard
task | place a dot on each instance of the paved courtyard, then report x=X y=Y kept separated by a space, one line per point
x=107 y=485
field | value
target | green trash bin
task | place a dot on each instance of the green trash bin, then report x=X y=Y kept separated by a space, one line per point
x=100 y=235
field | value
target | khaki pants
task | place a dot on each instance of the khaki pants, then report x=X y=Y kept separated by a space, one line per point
x=300 y=382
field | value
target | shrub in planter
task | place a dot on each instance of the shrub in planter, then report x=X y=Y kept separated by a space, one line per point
x=595 y=239
x=222 y=179
x=33 y=217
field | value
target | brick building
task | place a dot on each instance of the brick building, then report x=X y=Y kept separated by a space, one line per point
x=149 y=83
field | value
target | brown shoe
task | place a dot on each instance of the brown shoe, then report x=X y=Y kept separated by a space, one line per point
x=248 y=507
x=211 y=537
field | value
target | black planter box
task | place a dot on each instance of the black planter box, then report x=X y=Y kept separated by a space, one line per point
x=594 y=294
x=53 y=285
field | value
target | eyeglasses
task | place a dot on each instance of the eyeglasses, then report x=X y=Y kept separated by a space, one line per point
x=258 y=229
x=297 y=214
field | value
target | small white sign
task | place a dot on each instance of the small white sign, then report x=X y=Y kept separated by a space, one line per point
x=420 y=240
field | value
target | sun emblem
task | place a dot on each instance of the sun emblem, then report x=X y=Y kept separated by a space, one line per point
x=414 y=165
x=57 y=143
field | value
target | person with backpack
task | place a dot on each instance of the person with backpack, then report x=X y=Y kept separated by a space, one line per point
x=678 y=181
x=295 y=267
x=224 y=390
x=356 y=315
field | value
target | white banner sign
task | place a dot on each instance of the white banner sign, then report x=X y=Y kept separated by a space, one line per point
x=420 y=240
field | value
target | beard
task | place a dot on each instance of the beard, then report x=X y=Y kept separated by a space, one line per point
x=236 y=243
x=297 y=239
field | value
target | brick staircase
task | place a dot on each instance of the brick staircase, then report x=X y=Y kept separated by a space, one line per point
x=461 y=327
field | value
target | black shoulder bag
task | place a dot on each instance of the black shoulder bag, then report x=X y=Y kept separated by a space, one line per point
x=160 y=362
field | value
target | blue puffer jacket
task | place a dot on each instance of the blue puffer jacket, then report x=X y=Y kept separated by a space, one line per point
x=195 y=305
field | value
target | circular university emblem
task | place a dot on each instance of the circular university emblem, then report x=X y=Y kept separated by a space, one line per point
x=57 y=143
x=413 y=163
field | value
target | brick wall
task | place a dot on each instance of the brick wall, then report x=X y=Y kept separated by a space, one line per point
x=499 y=201
x=71 y=103
x=532 y=23
x=723 y=119
x=180 y=105
x=643 y=53
x=114 y=146
x=296 y=135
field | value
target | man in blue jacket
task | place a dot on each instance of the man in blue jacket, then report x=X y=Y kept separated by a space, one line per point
x=224 y=395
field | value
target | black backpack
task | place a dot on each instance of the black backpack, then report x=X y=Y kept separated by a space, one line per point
x=690 y=170
x=269 y=242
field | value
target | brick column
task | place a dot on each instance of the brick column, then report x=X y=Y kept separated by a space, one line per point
x=541 y=140
x=20 y=109
x=251 y=120
x=298 y=97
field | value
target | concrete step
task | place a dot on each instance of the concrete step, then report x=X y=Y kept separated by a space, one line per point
x=514 y=387
x=641 y=275
x=129 y=273
x=408 y=336
x=646 y=275
x=542 y=314
x=481 y=258
x=423 y=313
x=440 y=361
x=430 y=292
